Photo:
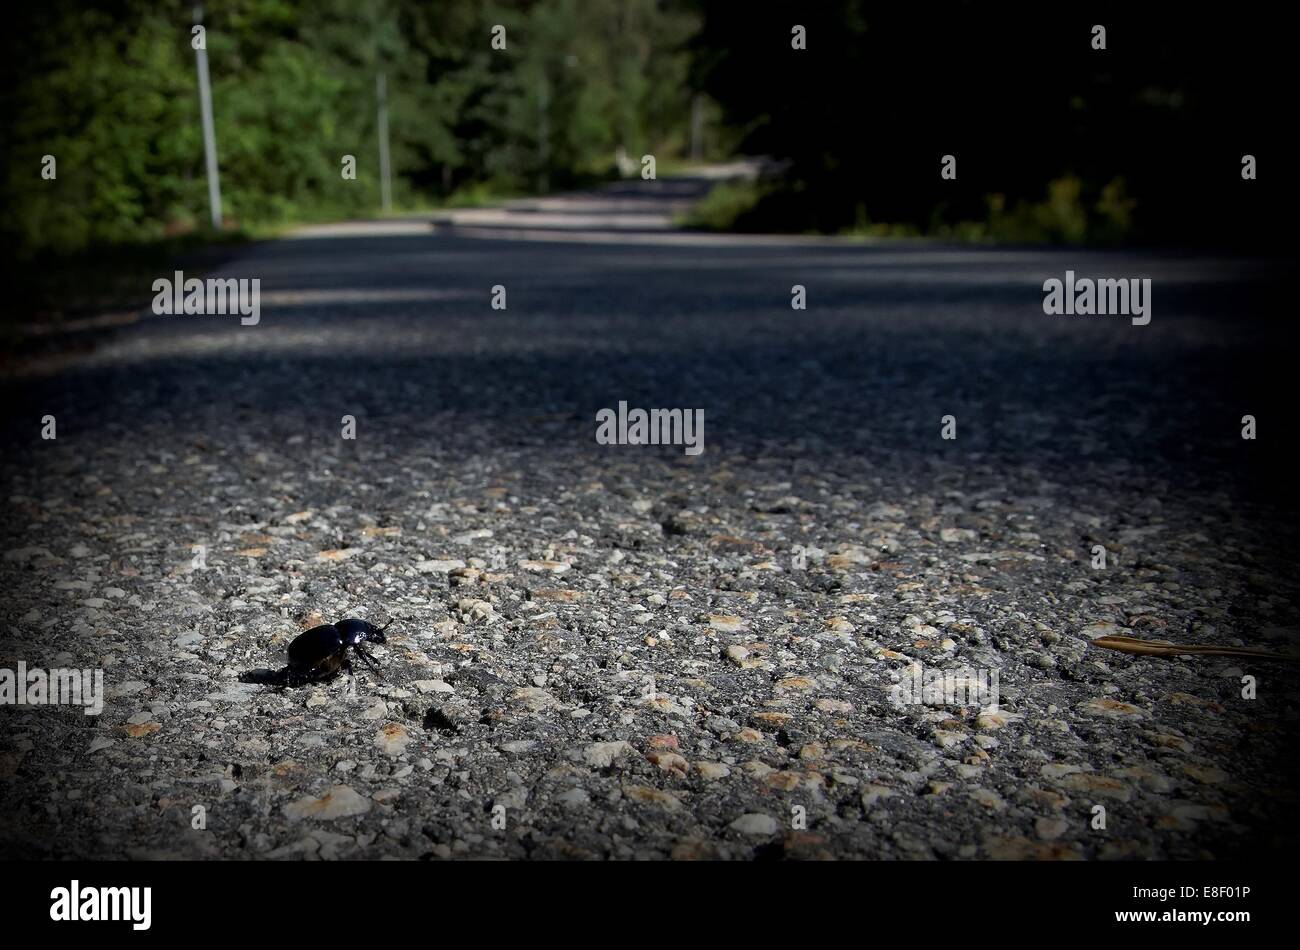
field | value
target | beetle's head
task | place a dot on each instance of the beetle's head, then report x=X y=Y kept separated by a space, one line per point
x=359 y=631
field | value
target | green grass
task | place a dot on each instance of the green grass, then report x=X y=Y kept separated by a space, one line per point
x=724 y=206
x=1065 y=215
x=50 y=286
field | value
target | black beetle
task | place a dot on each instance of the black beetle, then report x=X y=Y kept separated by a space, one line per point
x=321 y=653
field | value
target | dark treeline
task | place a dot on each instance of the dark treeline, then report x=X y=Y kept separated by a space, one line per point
x=1053 y=139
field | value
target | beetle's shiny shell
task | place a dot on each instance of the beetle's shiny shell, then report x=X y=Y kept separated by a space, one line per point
x=317 y=653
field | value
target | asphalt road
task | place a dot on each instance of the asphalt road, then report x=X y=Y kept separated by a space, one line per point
x=626 y=651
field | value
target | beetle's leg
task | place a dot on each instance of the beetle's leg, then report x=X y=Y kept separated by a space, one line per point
x=350 y=679
x=368 y=661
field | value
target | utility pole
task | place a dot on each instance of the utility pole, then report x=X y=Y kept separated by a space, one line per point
x=385 y=173
x=209 y=133
x=543 y=134
x=697 y=128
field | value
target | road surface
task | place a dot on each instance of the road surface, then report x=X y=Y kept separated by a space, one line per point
x=624 y=650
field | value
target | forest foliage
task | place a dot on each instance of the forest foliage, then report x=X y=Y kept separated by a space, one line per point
x=1053 y=138
x=111 y=93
